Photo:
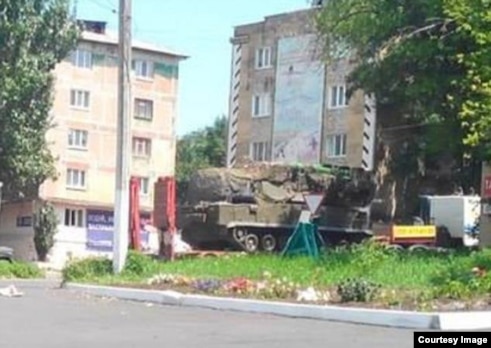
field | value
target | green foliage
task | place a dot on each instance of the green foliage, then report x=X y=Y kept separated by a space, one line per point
x=87 y=269
x=463 y=280
x=201 y=149
x=361 y=273
x=473 y=23
x=19 y=270
x=45 y=229
x=138 y=264
x=34 y=37
x=428 y=62
x=357 y=290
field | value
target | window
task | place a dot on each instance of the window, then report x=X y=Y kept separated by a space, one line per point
x=24 y=221
x=74 y=217
x=336 y=145
x=144 y=186
x=144 y=109
x=75 y=178
x=263 y=58
x=259 y=151
x=142 y=147
x=77 y=138
x=261 y=105
x=79 y=99
x=338 y=97
x=82 y=59
x=143 y=68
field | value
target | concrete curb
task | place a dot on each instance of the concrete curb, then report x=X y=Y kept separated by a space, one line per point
x=388 y=318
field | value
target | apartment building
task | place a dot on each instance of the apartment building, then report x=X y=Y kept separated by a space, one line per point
x=287 y=105
x=84 y=142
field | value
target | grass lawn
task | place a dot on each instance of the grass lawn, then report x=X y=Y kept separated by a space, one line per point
x=456 y=275
x=20 y=270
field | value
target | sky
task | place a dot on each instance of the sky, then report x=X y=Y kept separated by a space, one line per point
x=200 y=29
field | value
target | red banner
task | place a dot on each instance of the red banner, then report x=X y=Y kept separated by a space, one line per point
x=487 y=187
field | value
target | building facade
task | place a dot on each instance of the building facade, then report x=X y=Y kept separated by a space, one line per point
x=287 y=105
x=84 y=142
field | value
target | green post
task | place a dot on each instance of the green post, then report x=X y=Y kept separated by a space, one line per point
x=305 y=240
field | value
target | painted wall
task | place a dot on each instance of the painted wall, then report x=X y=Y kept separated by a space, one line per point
x=99 y=159
x=298 y=102
x=70 y=242
x=16 y=234
x=94 y=239
x=349 y=120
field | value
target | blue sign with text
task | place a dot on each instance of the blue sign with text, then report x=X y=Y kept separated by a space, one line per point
x=100 y=229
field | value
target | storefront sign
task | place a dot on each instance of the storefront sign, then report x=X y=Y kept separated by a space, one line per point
x=100 y=229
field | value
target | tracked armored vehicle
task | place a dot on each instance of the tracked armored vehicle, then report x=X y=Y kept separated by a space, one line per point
x=256 y=208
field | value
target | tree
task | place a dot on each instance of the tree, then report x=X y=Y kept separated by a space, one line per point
x=473 y=21
x=201 y=149
x=427 y=64
x=35 y=35
x=45 y=230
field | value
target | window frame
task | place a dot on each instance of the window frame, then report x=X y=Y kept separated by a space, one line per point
x=23 y=221
x=255 y=148
x=337 y=97
x=145 y=143
x=144 y=183
x=80 y=95
x=82 y=58
x=72 y=135
x=261 y=102
x=81 y=175
x=143 y=65
x=136 y=105
x=74 y=217
x=336 y=142
x=263 y=58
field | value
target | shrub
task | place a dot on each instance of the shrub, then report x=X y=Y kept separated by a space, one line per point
x=87 y=268
x=361 y=258
x=45 y=230
x=19 y=270
x=138 y=264
x=357 y=290
x=462 y=280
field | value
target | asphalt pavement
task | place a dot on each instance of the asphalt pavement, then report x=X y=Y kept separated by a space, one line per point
x=50 y=317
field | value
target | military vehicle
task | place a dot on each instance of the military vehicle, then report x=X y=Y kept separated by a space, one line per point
x=256 y=207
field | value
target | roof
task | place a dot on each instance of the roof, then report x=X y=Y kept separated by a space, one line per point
x=278 y=16
x=112 y=39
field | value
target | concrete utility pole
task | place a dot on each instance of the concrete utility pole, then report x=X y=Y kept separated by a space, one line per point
x=75 y=9
x=122 y=206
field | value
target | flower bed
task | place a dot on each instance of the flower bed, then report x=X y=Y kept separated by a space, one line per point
x=364 y=275
x=352 y=293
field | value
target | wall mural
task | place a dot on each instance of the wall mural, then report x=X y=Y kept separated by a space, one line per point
x=298 y=101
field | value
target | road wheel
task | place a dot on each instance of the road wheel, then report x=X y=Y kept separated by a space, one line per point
x=394 y=247
x=239 y=234
x=268 y=243
x=251 y=243
x=419 y=248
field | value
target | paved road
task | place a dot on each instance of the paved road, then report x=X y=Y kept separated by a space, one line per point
x=49 y=317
